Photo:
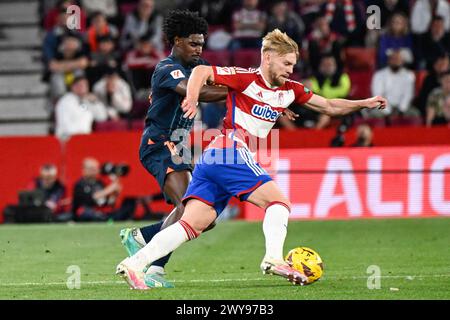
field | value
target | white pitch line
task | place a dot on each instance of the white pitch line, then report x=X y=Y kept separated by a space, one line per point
x=216 y=280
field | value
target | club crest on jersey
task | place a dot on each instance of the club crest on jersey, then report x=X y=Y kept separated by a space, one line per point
x=280 y=98
x=265 y=112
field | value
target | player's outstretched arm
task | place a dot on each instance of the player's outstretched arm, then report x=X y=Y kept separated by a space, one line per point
x=340 y=107
x=207 y=93
x=199 y=76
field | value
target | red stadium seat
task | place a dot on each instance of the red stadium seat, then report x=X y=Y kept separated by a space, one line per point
x=420 y=77
x=247 y=58
x=111 y=125
x=406 y=121
x=137 y=125
x=372 y=122
x=361 y=81
x=217 y=58
x=360 y=58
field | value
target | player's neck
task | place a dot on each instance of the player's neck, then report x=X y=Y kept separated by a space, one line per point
x=265 y=76
x=177 y=56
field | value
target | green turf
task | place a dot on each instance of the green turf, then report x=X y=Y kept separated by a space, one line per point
x=413 y=255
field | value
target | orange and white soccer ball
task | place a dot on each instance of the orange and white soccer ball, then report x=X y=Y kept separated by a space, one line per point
x=307 y=261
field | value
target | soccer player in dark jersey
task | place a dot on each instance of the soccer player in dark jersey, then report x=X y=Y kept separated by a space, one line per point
x=185 y=31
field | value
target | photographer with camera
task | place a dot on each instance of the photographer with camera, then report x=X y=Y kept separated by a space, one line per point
x=42 y=201
x=92 y=200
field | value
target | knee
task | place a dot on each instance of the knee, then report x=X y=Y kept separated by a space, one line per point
x=283 y=201
x=192 y=230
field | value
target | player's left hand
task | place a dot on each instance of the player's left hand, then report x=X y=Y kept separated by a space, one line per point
x=291 y=115
x=190 y=108
x=376 y=102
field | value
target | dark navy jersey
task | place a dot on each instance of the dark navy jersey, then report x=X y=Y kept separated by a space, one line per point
x=165 y=114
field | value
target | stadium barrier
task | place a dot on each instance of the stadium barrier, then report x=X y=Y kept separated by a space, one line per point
x=362 y=183
x=21 y=157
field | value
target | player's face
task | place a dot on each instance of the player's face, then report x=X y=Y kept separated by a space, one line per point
x=190 y=48
x=281 y=67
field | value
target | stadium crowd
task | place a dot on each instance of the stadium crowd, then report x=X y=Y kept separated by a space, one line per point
x=347 y=51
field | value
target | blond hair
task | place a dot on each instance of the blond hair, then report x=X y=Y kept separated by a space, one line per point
x=279 y=42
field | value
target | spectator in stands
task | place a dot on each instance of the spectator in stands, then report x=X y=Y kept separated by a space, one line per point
x=397 y=84
x=435 y=42
x=142 y=20
x=423 y=11
x=76 y=111
x=53 y=191
x=99 y=28
x=323 y=41
x=308 y=10
x=249 y=24
x=217 y=13
x=108 y=8
x=140 y=64
x=115 y=94
x=286 y=20
x=104 y=58
x=346 y=17
x=91 y=196
x=52 y=17
x=53 y=39
x=69 y=59
x=389 y=7
x=364 y=136
x=440 y=65
x=438 y=104
x=397 y=37
x=331 y=83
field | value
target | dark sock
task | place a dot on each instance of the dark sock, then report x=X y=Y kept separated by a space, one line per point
x=148 y=233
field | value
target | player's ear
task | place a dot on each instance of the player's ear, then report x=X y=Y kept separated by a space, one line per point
x=177 y=41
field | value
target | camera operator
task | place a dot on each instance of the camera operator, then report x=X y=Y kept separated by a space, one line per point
x=49 y=204
x=91 y=198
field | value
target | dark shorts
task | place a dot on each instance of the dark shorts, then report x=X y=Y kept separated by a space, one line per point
x=157 y=159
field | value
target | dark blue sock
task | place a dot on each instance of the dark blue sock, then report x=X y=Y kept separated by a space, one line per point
x=148 y=233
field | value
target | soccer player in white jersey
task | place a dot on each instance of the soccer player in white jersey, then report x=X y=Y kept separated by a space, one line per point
x=255 y=100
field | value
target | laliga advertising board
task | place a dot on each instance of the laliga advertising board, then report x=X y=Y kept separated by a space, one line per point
x=362 y=182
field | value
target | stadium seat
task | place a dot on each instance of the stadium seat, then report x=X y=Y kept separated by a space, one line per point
x=137 y=125
x=420 y=77
x=406 y=121
x=360 y=58
x=217 y=58
x=111 y=125
x=361 y=81
x=247 y=58
x=127 y=7
x=372 y=122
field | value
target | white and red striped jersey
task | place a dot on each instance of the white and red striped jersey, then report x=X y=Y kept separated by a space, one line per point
x=253 y=106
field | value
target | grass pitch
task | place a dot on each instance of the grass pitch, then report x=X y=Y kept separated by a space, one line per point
x=413 y=256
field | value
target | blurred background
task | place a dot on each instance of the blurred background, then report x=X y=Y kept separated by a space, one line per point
x=59 y=165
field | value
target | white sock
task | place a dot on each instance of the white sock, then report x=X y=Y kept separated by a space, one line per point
x=275 y=230
x=162 y=243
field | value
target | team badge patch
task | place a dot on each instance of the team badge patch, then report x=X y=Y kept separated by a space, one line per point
x=177 y=74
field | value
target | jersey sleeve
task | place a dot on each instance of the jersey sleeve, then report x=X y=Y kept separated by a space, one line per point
x=232 y=77
x=302 y=94
x=169 y=76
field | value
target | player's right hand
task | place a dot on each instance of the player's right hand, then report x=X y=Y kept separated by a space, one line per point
x=190 y=108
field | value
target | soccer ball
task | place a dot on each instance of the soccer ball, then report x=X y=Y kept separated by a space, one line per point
x=306 y=261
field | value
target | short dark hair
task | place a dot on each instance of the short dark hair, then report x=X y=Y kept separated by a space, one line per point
x=183 y=23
